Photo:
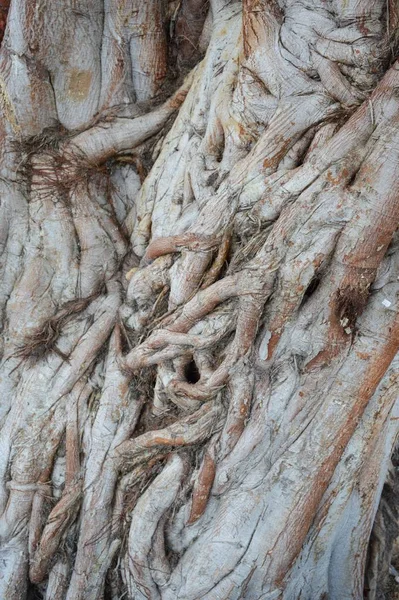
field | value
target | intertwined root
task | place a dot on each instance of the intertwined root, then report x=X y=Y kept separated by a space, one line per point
x=319 y=196
x=312 y=247
x=261 y=193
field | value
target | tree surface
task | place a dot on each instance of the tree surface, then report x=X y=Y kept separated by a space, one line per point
x=199 y=298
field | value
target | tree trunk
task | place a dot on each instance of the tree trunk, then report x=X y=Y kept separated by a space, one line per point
x=199 y=300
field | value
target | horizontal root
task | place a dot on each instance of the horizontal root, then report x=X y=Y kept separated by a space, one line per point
x=164 y=344
x=190 y=430
x=177 y=243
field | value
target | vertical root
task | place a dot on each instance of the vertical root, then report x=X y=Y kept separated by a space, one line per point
x=203 y=483
x=59 y=520
x=241 y=390
x=148 y=512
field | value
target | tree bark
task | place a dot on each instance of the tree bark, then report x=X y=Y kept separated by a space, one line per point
x=199 y=299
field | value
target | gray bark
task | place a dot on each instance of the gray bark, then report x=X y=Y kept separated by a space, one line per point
x=199 y=298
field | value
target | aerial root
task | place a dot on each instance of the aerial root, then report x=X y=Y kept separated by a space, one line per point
x=36 y=517
x=193 y=429
x=346 y=305
x=296 y=277
x=204 y=302
x=146 y=517
x=177 y=370
x=58 y=578
x=165 y=345
x=335 y=83
x=248 y=316
x=220 y=260
x=58 y=521
x=101 y=142
x=136 y=477
x=37 y=344
x=151 y=284
x=363 y=246
x=232 y=286
x=250 y=289
x=147 y=288
x=271 y=196
x=62 y=519
x=161 y=346
x=240 y=392
x=200 y=305
x=203 y=483
x=177 y=243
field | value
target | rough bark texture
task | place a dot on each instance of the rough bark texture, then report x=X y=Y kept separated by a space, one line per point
x=199 y=297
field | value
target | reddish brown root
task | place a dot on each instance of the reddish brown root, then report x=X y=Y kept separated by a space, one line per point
x=176 y=243
x=192 y=429
x=203 y=484
x=358 y=268
x=219 y=262
x=241 y=389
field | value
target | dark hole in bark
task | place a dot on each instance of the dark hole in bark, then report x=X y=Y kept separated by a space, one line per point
x=191 y=372
x=312 y=287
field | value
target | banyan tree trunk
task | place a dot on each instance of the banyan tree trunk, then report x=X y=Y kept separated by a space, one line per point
x=199 y=297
